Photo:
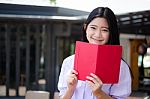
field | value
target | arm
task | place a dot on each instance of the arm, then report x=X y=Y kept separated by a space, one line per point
x=124 y=83
x=67 y=95
x=71 y=83
x=95 y=84
x=102 y=95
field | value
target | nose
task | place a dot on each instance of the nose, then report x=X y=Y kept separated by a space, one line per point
x=98 y=33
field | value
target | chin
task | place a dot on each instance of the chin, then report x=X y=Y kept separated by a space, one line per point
x=98 y=43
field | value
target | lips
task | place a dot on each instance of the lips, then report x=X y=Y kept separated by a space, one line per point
x=97 y=41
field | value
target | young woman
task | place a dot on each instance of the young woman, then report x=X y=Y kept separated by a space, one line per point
x=99 y=28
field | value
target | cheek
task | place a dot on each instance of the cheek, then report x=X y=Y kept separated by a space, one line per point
x=87 y=36
x=106 y=36
x=88 y=33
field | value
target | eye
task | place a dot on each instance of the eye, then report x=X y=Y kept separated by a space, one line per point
x=92 y=27
x=105 y=30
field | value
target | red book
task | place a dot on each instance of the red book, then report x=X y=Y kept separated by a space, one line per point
x=102 y=60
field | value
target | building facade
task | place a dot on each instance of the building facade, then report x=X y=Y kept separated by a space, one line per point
x=34 y=40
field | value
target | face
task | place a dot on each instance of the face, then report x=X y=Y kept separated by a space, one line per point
x=97 y=31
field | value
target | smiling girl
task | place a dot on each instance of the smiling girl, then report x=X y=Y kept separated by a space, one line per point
x=99 y=28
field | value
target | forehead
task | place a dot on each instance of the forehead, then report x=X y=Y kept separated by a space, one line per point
x=99 y=21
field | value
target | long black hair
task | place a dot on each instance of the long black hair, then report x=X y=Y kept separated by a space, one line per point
x=108 y=14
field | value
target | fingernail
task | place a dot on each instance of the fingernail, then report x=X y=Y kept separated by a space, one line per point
x=91 y=74
x=76 y=72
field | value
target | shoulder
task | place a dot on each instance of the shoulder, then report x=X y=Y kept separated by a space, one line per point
x=124 y=63
x=124 y=66
x=67 y=64
x=69 y=60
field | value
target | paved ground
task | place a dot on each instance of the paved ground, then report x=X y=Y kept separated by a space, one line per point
x=134 y=95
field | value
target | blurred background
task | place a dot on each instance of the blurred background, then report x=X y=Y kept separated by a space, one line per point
x=36 y=35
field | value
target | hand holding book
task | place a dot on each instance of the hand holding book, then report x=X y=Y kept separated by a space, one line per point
x=102 y=60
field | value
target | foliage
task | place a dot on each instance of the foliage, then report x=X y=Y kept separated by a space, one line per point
x=52 y=1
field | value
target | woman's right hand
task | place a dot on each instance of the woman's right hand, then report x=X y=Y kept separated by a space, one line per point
x=72 y=83
x=72 y=80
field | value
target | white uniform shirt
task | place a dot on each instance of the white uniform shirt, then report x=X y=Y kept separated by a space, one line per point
x=120 y=90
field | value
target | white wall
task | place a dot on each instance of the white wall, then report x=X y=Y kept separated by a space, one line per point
x=126 y=49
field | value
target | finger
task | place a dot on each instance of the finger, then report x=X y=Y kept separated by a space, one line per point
x=92 y=79
x=91 y=84
x=72 y=80
x=74 y=72
x=96 y=78
x=73 y=76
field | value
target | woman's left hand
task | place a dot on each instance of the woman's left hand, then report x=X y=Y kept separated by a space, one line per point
x=95 y=84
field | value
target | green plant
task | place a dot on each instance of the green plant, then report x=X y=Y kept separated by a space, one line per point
x=52 y=1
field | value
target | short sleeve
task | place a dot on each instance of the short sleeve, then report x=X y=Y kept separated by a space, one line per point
x=66 y=68
x=123 y=89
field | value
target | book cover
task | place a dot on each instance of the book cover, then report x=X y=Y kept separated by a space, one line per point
x=102 y=60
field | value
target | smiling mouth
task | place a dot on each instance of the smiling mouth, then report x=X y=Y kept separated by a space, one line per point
x=98 y=40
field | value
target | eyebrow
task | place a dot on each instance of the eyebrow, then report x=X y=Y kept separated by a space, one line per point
x=101 y=27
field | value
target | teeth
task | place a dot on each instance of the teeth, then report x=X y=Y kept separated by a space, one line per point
x=98 y=39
